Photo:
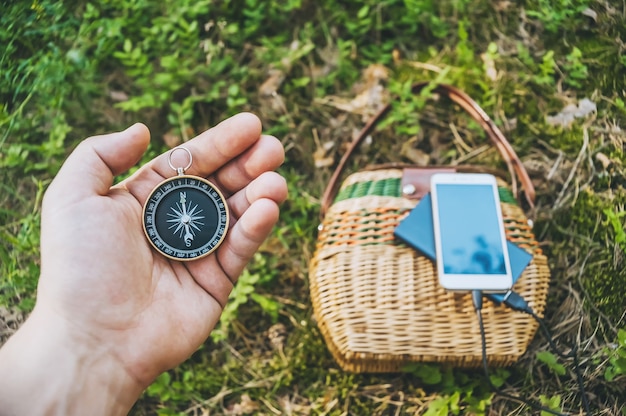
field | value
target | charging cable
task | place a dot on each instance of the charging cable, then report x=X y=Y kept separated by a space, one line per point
x=516 y=302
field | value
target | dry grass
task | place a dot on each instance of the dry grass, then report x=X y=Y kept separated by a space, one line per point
x=274 y=366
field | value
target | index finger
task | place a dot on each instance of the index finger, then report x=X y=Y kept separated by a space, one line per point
x=210 y=150
x=214 y=147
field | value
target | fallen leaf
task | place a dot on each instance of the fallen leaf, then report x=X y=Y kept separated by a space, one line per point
x=490 y=66
x=330 y=54
x=604 y=160
x=502 y=6
x=320 y=156
x=375 y=73
x=371 y=95
x=277 y=334
x=417 y=156
x=118 y=96
x=245 y=407
x=590 y=13
x=571 y=111
x=272 y=83
x=171 y=140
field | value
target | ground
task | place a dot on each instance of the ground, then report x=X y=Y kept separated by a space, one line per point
x=549 y=73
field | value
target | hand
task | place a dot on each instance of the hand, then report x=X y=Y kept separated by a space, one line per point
x=104 y=293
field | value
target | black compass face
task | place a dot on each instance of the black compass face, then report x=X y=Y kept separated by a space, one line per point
x=185 y=218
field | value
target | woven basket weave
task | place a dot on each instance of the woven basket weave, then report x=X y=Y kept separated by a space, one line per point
x=378 y=302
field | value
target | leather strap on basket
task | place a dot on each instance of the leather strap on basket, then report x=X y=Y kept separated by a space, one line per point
x=470 y=106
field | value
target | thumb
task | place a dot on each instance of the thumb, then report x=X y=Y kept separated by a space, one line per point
x=90 y=168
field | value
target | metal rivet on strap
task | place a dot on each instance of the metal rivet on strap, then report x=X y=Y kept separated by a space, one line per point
x=409 y=189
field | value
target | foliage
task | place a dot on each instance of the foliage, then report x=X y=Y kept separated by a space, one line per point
x=614 y=219
x=461 y=393
x=616 y=358
x=555 y=15
x=551 y=402
x=21 y=233
x=36 y=84
x=73 y=69
x=551 y=361
x=247 y=288
x=599 y=219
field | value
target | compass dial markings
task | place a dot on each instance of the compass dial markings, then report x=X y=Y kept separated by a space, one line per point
x=186 y=218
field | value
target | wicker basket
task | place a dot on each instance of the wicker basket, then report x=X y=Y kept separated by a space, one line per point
x=378 y=302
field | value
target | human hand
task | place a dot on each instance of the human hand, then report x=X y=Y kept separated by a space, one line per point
x=105 y=292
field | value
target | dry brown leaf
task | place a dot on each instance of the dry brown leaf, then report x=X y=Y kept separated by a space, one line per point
x=375 y=73
x=330 y=54
x=246 y=406
x=490 y=66
x=118 y=96
x=371 y=95
x=272 y=83
x=171 y=140
x=604 y=160
x=571 y=111
x=425 y=66
x=591 y=14
x=277 y=334
x=320 y=156
x=417 y=156
x=502 y=6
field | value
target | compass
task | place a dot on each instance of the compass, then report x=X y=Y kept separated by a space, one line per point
x=185 y=217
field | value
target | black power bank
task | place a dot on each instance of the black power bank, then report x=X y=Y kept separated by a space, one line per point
x=417 y=230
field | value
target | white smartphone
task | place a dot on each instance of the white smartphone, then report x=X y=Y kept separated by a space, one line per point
x=470 y=242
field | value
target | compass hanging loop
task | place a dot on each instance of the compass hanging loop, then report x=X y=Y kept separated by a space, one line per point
x=179 y=170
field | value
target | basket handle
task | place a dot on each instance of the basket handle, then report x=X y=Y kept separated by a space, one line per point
x=470 y=106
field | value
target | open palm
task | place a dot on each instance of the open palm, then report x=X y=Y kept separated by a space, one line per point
x=100 y=274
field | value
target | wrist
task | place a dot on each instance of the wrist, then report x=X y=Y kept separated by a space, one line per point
x=48 y=367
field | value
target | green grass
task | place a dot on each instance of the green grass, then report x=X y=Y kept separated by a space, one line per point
x=72 y=70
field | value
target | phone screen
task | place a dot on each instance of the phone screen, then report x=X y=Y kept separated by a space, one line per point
x=470 y=235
